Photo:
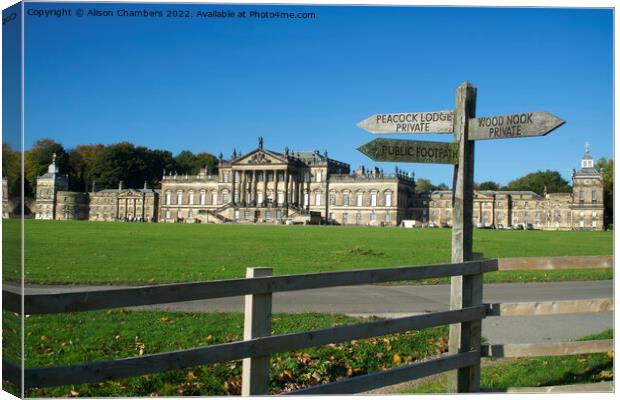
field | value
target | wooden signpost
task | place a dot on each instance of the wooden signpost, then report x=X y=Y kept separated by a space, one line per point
x=411 y=151
x=413 y=122
x=465 y=291
x=513 y=126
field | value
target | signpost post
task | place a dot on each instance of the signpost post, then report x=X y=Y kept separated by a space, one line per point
x=465 y=291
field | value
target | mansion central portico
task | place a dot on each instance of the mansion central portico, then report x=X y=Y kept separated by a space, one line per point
x=267 y=187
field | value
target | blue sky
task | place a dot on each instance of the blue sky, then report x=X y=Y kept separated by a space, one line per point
x=215 y=84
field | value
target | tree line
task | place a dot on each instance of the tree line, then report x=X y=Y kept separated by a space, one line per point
x=103 y=165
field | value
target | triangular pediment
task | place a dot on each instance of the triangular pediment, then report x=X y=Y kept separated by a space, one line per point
x=129 y=193
x=260 y=157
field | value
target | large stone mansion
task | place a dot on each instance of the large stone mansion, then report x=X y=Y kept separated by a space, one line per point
x=265 y=186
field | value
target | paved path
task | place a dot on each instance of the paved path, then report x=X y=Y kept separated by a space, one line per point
x=393 y=301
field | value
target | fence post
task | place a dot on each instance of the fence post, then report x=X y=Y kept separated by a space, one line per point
x=257 y=323
x=465 y=291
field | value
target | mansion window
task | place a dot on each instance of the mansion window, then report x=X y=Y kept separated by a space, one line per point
x=373 y=217
x=306 y=176
x=278 y=214
x=226 y=177
x=345 y=199
x=280 y=197
x=581 y=196
x=306 y=199
x=260 y=197
x=246 y=214
x=358 y=218
x=191 y=198
x=179 y=197
x=373 y=199
x=345 y=218
x=360 y=199
x=594 y=196
x=214 y=198
x=388 y=200
x=267 y=214
x=203 y=198
x=317 y=199
x=332 y=199
x=225 y=198
x=387 y=218
x=318 y=176
x=236 y=215
x=167 y=214
x=190 y=214
x=168 y=199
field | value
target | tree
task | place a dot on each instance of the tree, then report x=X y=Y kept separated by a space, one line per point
x=190 y=163
x=488 y=185
x=81 y=163
x=425 y=185
x=11 y=169
x=606 y=168
x=539 y=181
x=130 y=164
x=39 y=157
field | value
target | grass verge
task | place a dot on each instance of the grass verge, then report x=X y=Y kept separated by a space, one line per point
x=537 y=371
x=81 y=337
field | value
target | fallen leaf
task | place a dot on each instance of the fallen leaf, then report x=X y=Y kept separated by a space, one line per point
x=396 y=358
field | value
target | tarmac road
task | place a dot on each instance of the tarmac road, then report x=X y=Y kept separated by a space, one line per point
x=394 y=301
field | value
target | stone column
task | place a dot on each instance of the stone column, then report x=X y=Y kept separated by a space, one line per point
x=234 y=185
x=254 y=188
x=275 y=184
x=286 y=177
x=265 y=187
x=243 y=192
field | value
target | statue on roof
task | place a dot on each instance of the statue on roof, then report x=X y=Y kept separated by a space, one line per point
x=54 y=157
x=587 y=147
x=260 y=142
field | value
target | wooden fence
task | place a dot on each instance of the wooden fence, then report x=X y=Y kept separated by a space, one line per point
x=258 y=344
x=551 y=308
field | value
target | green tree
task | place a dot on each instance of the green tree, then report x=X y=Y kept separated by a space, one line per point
x=538 y=181
x=39 y=157
x=606 y=168
x=488 y=185
x=130 y=164
x=81 y=163
x=425 y=185
x=190 y=163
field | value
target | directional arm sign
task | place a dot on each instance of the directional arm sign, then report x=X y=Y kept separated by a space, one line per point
x=411 y=151
x=414 y=122
x=513 y=126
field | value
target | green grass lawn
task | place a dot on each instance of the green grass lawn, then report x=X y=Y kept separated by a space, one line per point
x=538 y=371
x=100 y=252
x=82 y=337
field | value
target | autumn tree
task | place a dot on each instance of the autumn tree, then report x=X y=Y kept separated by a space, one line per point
x=11 y=169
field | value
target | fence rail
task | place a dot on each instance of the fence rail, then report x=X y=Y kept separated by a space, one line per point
x=180 y=292
x=547 y=349
x=570 y=262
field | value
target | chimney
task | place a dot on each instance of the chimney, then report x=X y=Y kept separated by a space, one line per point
x=145 y=185
x=120 y=185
